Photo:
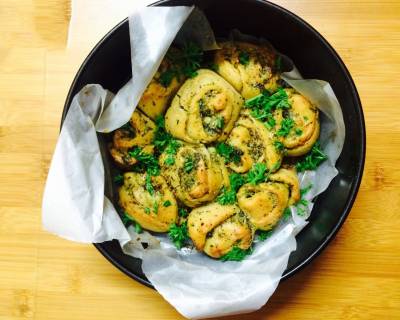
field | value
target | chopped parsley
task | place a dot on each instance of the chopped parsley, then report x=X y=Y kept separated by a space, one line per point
x=286 y=125
x=312 y=160
x=149 y=186
x=178 y=234
x=298 y=131
x=155 y=207
x=228 y=196
x=167 y=203
x=183 y=212
x=263 y=106
x=146 y=161
x=230 y=154
x=166 y=77
x=147 y=210
x=236 y=254
x=188 y=165
x=263 y=235
x=279 y=146
x=302 y=204
x=119 y=179
x=287 y=213
x=306 y=190
x=184 y=63
x=256 y=173
x=244 y=58
x=219 y=122
x=163 y=141
x=128 y=220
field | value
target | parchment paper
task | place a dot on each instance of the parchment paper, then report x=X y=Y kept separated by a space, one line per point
x=75 y=208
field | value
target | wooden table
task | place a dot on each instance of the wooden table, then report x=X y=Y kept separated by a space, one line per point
x=45 y=277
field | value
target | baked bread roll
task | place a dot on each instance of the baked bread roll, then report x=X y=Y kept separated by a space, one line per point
x=255 y=144
x=197 y=175
x=263 y=203
x=247 y=67
x=161 y=89
x=216 y=229
x=139 y=132
x=154 y=210
x=204 y=110
x=306 y=125
x=288 y=177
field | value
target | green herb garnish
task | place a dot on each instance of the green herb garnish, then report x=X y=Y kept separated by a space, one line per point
x=236 y=254
x=263 y=235
x=155 y=207
x=178 y=234
x=279 y=146
x=244 y=58
x=138 y=228
x=286 y=125
x=219 y=122
x=147 y=210
x=306 y=190
x=298 y=131
x=146 y=162
x=256 y=173
x=188 y=165
x=167 y=203
x=163 y=141
x=119 y=179
x=231 y=154
x=149 y=186
x=127 y=221
x=314 y=158
x=166 y=77
x=228 y=196
x=287 y=213
x=183 y=212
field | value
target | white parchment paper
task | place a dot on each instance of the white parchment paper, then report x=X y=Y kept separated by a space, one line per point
x=74 y=205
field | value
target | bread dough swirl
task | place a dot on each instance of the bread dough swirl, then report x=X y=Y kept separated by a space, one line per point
x=216 y=229
x=255 y=143
x=306 y=121
x=247 y=67
x=197 y=175
x=148 y=209
x=204 y=110
x=138 y=133
x=263 y=203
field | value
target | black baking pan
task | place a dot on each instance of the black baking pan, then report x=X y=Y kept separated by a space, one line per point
x=109 y=65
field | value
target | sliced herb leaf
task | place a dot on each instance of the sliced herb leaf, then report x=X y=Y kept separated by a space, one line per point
x=312 y=160
x=147 y=210
x=279 y=146
x=155 y=207
x=167 y=203
x=244 y=58
x=166 y=77
x=228 y=196
x=149 y=186
x=236 y=254
x=263 y=235
x=178 y=234
x=231 y=154
x=256 y=173
x=119 y=179
x=183 y=212
x=286 y=125
x=146 y=162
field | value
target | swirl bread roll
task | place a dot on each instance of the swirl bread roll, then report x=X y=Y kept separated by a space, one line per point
x=139 y=132
x=197 y=175
x=288 y=177
x=145 y=207
x=247 y=67
x=216 y=229
x=161 y=89
x=305 y=118
x=255 y=143
x=263 y=203
x=204 y=110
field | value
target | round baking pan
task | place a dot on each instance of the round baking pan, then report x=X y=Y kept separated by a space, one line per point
x=109 y=64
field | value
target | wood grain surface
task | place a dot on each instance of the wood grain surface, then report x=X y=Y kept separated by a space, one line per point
x=45 y=277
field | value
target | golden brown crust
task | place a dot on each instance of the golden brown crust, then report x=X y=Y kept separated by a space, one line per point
x=255 y=142
x=250 y=78
x=216 y=229
x=204 y=110
x=199 y=182
x=306 y=123
x=145 y=208
x=263 y=203
x=288 y=176
x=139 y=133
